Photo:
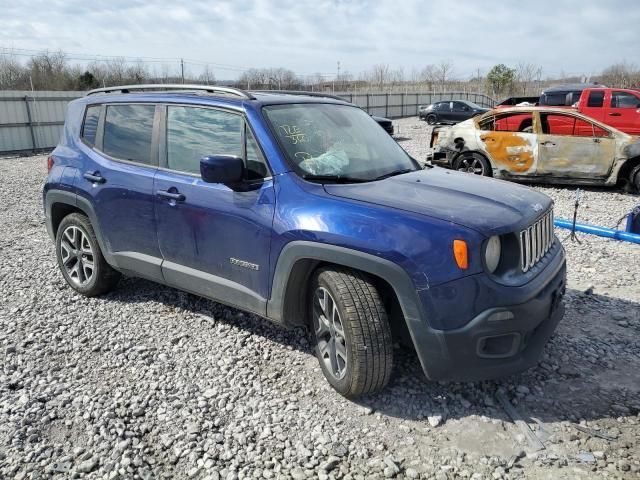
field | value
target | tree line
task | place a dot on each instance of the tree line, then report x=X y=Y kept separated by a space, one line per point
x=54 y=71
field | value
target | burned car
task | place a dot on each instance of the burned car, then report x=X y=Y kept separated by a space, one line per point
x=556 y=146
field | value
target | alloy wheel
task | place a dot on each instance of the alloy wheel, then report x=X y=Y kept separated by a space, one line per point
x=471 y=165
x=77 y=255
x=329 y=331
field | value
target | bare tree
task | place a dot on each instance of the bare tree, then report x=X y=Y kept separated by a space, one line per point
x=444 y=73
x=429 y=76
x=622 y=75
x=207 y=77
x=526 y=74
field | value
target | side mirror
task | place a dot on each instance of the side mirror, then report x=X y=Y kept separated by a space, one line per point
x=227 y=169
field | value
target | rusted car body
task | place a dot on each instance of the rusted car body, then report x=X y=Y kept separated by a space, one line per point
x=558 y=146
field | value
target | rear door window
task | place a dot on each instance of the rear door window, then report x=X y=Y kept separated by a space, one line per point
x=90 y=126
x=127 y=132
x=596 y=99
x=514 y=122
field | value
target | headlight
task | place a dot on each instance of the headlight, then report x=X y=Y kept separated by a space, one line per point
x=492 y=253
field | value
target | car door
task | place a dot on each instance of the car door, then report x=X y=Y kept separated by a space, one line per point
x=510 y=150
x=571 y=146
x=444 y=112
x=119 y=169
x=624 y=112
x=460 y=112
x=214 y=239
x=593 y=105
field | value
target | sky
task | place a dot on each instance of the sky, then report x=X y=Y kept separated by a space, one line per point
x=307 y=36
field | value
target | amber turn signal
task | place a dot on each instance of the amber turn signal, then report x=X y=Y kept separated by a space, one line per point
x=460 y=254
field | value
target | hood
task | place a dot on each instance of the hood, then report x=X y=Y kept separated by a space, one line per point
x=486 y=205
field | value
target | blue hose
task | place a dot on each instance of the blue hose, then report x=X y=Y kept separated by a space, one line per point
x=600 y=231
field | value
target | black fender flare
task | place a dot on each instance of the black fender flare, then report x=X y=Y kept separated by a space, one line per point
x=427 y=341
x=299 y=250
x=54 y=196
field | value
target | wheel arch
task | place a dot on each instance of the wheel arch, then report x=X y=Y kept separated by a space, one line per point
x=60 y=203
x=299 y=260
x=473 y=151
x=627 y=167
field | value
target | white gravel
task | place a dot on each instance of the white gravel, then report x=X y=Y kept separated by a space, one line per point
x=148 y=382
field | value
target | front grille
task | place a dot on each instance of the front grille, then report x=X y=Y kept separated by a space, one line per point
x=535 y=241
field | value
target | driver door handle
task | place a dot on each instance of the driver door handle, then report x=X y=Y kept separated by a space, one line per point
x=615 y=114
x=548 y=144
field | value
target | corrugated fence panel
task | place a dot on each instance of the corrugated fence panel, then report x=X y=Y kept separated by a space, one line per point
x=47 y=110
x=397 y=105
x=32 y=120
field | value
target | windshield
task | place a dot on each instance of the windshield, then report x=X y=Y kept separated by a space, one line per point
x=327 y=141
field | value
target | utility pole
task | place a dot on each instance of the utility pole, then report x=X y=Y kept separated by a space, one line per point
x=338 y=76
x=182 y=69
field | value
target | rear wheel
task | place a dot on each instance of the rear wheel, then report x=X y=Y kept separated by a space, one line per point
x=431 y=119
x=351 y=331
x=473 y=163
x=80 y=258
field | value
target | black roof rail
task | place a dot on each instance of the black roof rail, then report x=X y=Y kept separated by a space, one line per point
x=175 y=87
x=302 y=93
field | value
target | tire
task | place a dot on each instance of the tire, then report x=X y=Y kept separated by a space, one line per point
x=527 y=129
x=80 y=259
x=353 y=343
x=634 y=179
x=431 y=119
x=473 y=163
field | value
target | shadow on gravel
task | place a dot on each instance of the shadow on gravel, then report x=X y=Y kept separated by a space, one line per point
x=589 y=370
x=137 y=290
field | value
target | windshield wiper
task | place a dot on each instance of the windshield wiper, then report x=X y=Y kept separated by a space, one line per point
x=335 y=178
x=394 y=173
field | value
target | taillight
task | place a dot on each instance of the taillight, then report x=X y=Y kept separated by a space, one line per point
x=50 y=163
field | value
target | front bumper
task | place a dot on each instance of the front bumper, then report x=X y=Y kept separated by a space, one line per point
x=501 y=340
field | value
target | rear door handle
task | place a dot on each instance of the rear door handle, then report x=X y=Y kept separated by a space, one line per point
x=94 y=177
x=596 y=140
x=615 y=114
x=178 y=197
x=548 y=144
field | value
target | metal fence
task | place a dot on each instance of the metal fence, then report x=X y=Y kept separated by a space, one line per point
x=32 y=121
x=398 y=105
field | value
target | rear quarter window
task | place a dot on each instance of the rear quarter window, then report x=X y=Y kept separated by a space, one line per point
x=90 y=125
x=127 y=132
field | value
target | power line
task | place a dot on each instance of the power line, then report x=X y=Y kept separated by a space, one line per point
x=31 y=53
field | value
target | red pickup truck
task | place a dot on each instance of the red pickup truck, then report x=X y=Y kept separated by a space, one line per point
x=617 y=107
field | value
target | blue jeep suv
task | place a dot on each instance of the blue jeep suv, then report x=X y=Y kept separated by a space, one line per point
x=301 y=209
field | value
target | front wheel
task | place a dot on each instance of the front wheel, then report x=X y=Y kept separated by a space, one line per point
x=473 y=163
x=351 y=331
x=432 y=119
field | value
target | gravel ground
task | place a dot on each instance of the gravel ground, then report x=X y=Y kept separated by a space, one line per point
x=149 y=382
